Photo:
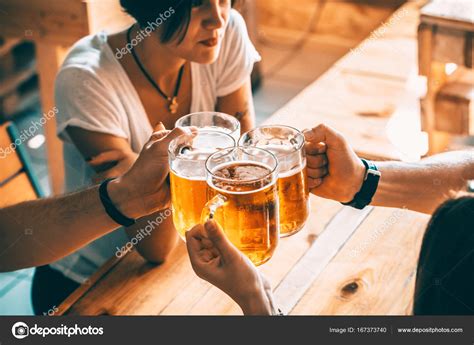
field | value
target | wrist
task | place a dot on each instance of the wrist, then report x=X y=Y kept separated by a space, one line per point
x=358 y=181
x=255 y=303
x=124 y=199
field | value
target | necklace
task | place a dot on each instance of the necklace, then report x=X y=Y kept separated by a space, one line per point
x=172 y=100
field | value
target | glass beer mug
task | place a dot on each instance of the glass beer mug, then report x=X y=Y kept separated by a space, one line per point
x=287 y=144
x=213 y=121
x=188 y=185
x=243 y=199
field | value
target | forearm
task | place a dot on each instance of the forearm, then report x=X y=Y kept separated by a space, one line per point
x=39 y=232
x=423 y=186
x=155 y=235
x=256 y=303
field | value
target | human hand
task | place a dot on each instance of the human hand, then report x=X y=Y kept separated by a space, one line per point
x=215 y=259
x=334 y=170
x=144 y=184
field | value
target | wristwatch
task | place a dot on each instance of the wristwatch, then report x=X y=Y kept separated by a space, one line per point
x=369 y=186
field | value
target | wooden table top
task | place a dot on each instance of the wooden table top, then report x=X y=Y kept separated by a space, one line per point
x=344 y=261
x=452 y=13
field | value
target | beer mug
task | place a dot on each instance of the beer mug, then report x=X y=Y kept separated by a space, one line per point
x=211 y=120
x=287 y=144
x=243 y=199
x=187 y=158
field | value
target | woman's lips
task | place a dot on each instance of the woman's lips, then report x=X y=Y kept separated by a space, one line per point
x=211 y=42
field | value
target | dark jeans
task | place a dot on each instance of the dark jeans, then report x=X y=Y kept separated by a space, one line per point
x=50 y=288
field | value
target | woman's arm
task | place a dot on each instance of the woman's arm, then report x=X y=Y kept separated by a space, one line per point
x=239 y=104
x=163 y=237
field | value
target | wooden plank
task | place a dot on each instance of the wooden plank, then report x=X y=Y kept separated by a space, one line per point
x=449 y=46
x=10 y=163
x=359 y=106
x=457 y=14
x=307 y=269
x=289 y=251
x=373 y=274
x=81 y=290
x=455 y=108
x=50 y=58
x=17 y=190
x=53 y=21
x=134 y=287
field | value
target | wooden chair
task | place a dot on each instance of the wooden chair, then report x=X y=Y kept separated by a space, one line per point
x=17 y=181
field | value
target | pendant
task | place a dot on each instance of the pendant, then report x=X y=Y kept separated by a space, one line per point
x=173 y=105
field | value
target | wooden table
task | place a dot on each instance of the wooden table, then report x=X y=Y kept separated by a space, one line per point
x=446 y=35
x=344 y=261
x=55 y=26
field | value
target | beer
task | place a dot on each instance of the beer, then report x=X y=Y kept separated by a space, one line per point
x=249 y=215
x=188 y=198
x=286 y=144
x=294 y=200
x=188 y=176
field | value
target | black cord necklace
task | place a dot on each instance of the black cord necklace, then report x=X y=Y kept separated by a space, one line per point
x=172 y=100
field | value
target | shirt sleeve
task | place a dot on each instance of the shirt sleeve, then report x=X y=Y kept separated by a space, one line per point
x=237 y=57
x=84 y=101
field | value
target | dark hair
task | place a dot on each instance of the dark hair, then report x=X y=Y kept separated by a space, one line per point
x=175 y=15
x=445 y=275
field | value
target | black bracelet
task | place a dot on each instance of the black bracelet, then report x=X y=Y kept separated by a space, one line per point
x=110 y=208
x=369 y=186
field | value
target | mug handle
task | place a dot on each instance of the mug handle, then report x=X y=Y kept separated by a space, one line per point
x=210 y=209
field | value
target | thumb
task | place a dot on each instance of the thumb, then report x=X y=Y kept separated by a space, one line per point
x=220 y=240
x=187 y=132
x=323 y=133
x=159 y=127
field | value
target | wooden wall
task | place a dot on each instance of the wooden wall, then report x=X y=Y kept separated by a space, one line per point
x=342 y=18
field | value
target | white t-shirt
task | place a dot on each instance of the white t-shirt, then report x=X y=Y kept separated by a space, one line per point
x=93 y=92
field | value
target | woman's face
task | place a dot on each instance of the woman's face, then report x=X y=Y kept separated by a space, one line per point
x=203 y=39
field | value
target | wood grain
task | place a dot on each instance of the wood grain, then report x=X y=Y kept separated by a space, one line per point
x=134 y=287
x=374 y=273
x=17 y=190
x=9 y=160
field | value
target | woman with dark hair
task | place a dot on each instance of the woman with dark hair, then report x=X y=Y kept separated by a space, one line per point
x=179 y=57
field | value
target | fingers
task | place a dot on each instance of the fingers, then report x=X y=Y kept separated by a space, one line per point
x=314 y=182
x=315 y=148
x=319 y=133
x=159 y=135
x=164 y=140
x=193 y=242
x=316 y=161
x=159 y=127
x=219 y=239
x=317 y=173
x=107 y=157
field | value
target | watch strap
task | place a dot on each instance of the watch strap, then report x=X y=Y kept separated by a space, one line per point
x=369 y=186
x=110 y=208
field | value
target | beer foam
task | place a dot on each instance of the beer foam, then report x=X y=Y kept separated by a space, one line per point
x=250 y=171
